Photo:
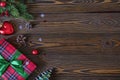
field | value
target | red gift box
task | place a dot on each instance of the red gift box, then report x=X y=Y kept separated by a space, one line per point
x=11 y=54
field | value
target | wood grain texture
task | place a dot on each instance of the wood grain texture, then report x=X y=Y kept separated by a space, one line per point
x=81 y=38
x=75 y=6
x=77 y=1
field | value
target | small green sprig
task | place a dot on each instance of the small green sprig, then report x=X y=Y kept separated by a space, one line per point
x=16 y=9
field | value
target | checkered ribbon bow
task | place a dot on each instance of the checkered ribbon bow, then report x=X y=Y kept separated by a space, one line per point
x=16 y=64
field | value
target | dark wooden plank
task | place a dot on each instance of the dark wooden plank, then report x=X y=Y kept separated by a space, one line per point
x=74 y=34
x=79 y=65
x=101 y=44
x=89 y=1
x=81 y=23
x=74 y=23
x=77 y=1
x=68 y=8
x=81 y=46
x=86 y=78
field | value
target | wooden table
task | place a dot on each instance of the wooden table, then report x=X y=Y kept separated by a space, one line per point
x=81 y=38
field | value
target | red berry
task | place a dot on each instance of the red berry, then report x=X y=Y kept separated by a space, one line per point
x=3 y=4
x=6 y=13
x=35 y=52
x=2 y=14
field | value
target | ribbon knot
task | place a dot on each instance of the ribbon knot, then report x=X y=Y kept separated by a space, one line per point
x=16 y=64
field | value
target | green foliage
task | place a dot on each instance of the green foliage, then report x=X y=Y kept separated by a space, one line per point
x=27 y=16
x=21 y=7
x=16 y=9
x=1 y=10
x=10 y=1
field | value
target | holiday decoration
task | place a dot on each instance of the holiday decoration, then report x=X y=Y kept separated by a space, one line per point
x=21 y=40
x=6 y=28
x=40 y=39
x=28 y=25
x=6 y=13
x=44 y=75
x=42 y=15
x=35 y=52
x=20 y=27
x=13 y=64
x=2 y=4
x=14 y=8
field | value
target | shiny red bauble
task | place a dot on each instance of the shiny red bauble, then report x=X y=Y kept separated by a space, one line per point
x=7 y=28
x=3 y=4
x=35 y=52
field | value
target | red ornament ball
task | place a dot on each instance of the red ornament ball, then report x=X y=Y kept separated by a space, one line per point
x=3 y=4
x=7 y=28
x=35 y=52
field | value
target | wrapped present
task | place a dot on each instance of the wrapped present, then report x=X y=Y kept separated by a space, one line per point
x=13 y=64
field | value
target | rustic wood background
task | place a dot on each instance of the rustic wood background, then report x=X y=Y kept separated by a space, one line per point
x=81 y=38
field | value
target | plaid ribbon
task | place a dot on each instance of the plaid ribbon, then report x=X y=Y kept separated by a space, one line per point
x=7 y=51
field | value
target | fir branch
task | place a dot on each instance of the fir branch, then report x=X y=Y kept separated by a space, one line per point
x=21 y=7
x=1 y=10
x=10 y=1
x=14 y=11
x=27 y=16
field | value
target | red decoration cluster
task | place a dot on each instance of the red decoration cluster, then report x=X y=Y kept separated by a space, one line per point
x=4 y=4
x=35 y=52
x=7 y=28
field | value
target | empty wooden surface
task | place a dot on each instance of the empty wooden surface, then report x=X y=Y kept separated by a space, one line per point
x=81 y=38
